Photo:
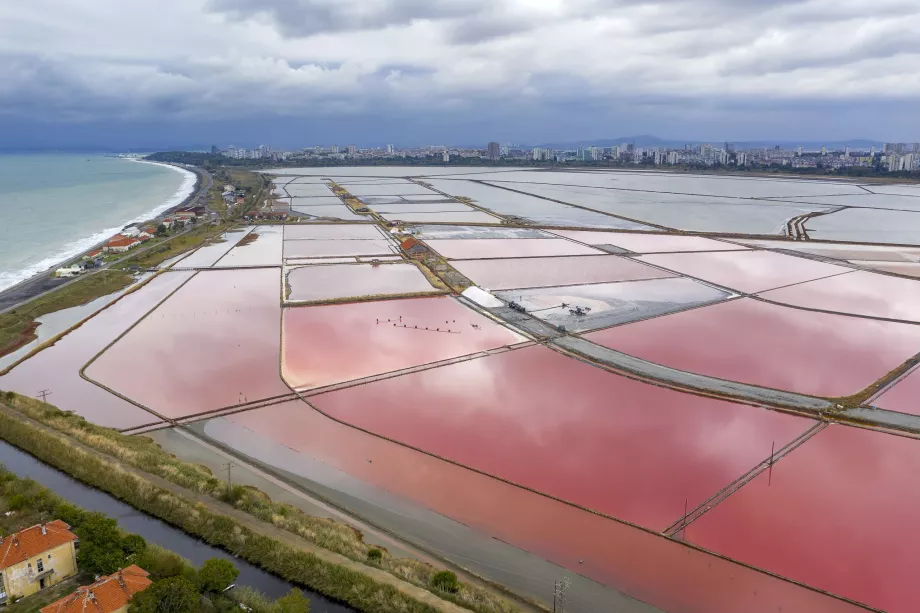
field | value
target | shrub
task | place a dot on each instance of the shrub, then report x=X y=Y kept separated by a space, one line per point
x=445 y=581
x=216 y=575
x=374 y=555
x=175 y=595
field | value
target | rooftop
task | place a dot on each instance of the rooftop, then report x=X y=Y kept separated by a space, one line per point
x=105 y=595
x=30 y=542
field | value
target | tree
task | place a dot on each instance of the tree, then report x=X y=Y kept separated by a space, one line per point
x=374 y=555
x=174 y=595
x=101 y=551
x=161 y=229
x=445 y=581
x=216 y=575
x=133 y=544
x=294 y=602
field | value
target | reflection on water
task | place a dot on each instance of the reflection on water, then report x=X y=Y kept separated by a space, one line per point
x=153 y=530
x=351 y=280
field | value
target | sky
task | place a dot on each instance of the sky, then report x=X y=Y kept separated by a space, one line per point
x=295 y=73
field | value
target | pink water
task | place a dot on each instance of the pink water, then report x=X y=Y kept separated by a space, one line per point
x=647 y=566
x=548 y=272
x=57 y=368
x=473 y=248
x=745 y=271
x=355 y=280
x=838 y=513
x=770 y=345
x=861 y=293
x=337 y=248
x=213 y=344
x=334 y=343
x=628 y=449
x=648 y=243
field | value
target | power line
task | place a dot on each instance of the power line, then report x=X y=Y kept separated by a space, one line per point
x=559 y=590
x=229 y=468
x=43 y=394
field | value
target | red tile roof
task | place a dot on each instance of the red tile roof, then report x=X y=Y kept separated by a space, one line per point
x=121 y=241
x=410 y=242
x=105 y=595
x=28 y=543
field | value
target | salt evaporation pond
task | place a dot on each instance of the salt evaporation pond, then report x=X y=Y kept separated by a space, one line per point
x=313 y=283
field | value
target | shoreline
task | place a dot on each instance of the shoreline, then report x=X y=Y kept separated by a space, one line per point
x=42 y=281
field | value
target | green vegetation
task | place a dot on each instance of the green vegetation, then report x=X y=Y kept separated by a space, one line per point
x=173 y=595
x=142 y=453
x=105 y=549
x=178 y=244
x=374 y=556
x=17 y=327
x=287 y=561
x=216 y=575
x=445 y=581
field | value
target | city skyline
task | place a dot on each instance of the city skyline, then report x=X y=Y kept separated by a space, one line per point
x=183 y=73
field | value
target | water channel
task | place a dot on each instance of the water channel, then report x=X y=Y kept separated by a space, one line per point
x=153 y=530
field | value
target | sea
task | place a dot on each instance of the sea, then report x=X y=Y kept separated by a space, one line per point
x=55 y=206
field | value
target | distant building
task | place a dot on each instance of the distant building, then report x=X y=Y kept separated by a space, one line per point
x=445 y=156
x=335 y=148
x=36 y=558
x=120 y=244
x=414 y=249
x=495 y=151
x=111 y=594
x=351 y=149
x=214 y=150
x=389 y=149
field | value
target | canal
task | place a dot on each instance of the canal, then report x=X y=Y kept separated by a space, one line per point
x=152 y=529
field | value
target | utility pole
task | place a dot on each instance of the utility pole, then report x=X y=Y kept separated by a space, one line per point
x=559 y=589
x=43 y=394
x=229 y=467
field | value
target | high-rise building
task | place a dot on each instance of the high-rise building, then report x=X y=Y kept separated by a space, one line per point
x=495 y=151
x=537 y=153
x=823 y=150
x=214 y=150
x=801 y=150
x=335 y=148
x=846 y=151
x=673 y=157
x=389 y=149
x=351 y=149
x=741 y=159
x=445 y=156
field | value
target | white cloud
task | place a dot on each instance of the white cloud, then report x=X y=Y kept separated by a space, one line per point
x=228 y=58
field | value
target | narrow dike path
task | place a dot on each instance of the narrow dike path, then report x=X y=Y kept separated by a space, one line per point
x=253 y=524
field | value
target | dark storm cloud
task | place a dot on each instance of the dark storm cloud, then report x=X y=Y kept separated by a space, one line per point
x=502 y=65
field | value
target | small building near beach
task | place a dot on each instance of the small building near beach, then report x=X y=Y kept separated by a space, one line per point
x=120 y=244
x=35 y=558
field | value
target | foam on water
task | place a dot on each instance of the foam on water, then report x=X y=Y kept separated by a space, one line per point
x=9 y=278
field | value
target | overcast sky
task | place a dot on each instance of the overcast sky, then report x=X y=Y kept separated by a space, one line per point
x=157 y=73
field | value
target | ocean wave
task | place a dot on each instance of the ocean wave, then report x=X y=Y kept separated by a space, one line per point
x=75 y=248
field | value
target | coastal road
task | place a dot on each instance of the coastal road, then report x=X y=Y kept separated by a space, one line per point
x=44 y=282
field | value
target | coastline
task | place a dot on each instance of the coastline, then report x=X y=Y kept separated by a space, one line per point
x=40 y=279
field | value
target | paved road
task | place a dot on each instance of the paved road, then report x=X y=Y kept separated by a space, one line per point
x=45 y=282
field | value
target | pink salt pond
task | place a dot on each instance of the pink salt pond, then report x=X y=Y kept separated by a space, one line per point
x=337 y=248
x=648 y=243
x=58 y=367
x=654 y=569
x=769 y=345
x=517 y=273
x=330 y=344
x=473 y=248
x=903 y=396
x=837 y=513
x=636 y=451
x=861 y=293
x=745 y=271
x=336 y=281
x=214 y=343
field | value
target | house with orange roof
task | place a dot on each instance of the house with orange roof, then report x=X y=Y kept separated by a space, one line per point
x=35 y=558
x=111 y=594
x=414 y=249
x=120 y=243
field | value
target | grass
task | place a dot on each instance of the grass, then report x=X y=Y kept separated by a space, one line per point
x=17 y=327
x=176 y=246
x=142 y=453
